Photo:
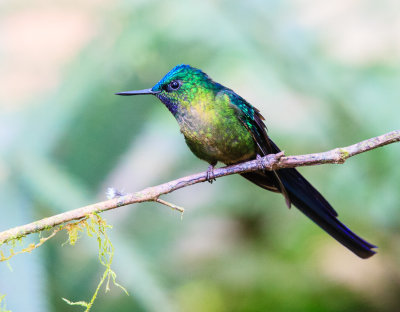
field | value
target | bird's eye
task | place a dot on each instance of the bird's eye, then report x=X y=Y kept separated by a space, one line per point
x=175 y=85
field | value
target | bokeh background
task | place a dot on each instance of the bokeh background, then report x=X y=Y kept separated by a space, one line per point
x=324 y=74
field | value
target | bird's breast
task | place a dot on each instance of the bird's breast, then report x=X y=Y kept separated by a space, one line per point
x=214 y=133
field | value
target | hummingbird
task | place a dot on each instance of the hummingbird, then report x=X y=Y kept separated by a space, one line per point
x=220 y=126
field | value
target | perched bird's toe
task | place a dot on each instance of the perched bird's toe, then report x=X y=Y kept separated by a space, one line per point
x=210 y=174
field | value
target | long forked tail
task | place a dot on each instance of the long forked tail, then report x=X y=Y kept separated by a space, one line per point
x=309 y=201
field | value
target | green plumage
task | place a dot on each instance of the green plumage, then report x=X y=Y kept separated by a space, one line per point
x=214 y=122
x=205 y=129
x=220 y=126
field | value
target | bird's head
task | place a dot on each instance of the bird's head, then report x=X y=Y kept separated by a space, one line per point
x=182 y=84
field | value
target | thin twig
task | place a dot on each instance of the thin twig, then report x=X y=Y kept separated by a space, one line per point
x=172 y=206
x=269 y=162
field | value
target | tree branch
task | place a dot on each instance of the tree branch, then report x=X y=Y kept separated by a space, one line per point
x=269 y=162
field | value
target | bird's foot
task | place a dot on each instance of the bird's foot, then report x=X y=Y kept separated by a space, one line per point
x=210 y=174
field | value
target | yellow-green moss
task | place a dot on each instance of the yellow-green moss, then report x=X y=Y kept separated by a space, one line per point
x=94 y=226
x=3 y=304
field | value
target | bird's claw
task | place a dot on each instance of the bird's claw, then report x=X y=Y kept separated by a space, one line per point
x=210 y=174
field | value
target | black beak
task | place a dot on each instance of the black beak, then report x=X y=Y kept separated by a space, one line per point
x=137 y=92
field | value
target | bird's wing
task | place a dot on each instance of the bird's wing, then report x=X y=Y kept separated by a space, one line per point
x=252 y=119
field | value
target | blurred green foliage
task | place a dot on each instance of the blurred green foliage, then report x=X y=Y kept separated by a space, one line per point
x=238 y=248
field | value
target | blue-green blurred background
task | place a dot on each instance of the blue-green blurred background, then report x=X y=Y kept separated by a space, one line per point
x=324 y=74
